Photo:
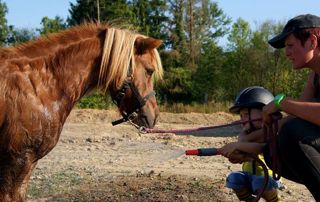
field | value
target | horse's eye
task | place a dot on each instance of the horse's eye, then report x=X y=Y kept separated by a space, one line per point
x=149 y=72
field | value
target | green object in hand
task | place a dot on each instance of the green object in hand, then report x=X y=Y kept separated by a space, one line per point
x=277 y=100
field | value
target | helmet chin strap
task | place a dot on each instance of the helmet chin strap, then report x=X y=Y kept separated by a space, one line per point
x=252 y=127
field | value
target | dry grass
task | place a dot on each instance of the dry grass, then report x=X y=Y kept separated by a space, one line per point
x=71 y=186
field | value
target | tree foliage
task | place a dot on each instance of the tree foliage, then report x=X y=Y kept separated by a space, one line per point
x=4 y=29
x=102 y=10
x=197 y=69
x=150 y=17
x=20 y=35
x=52 y=25
x=82 y=11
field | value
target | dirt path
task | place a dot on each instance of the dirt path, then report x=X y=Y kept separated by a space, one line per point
x=95 y=161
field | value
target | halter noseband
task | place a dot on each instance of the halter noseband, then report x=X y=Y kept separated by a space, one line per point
x=137 y=103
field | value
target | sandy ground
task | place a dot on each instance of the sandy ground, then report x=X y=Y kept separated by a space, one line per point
x=95 y=161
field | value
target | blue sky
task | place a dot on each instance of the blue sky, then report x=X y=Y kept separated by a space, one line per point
x=258 y=11
x=24 y=13
x=28 y=13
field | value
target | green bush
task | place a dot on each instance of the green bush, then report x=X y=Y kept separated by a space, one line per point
x=97 y=100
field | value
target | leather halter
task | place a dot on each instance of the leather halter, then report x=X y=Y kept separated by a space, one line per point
x=137 y=100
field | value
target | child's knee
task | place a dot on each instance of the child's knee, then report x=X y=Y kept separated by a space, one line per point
x=236 y=180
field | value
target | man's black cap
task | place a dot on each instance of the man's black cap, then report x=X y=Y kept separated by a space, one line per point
x=295 y=24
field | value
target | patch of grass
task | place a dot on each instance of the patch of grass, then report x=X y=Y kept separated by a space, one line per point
x=131 y=188
x=44 y=185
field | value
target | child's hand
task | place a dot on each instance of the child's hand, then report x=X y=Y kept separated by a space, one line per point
x=243 y=137
x=238 y=152
x=228 y=149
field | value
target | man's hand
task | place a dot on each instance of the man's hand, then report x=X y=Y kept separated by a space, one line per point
x=267 y=111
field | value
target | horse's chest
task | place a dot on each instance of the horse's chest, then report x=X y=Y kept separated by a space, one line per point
x=37 y=122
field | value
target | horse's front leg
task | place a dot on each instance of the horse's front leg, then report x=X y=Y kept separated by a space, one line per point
x=14 y=177
x=22 y=192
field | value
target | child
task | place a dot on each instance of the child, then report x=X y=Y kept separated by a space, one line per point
x=249 y=181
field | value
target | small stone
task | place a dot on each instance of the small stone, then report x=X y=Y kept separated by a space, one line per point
x=151 y=173
x=89 y=139
x=282 y=187
x=289 y=192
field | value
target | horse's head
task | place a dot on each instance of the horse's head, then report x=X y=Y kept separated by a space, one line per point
x=136 y=98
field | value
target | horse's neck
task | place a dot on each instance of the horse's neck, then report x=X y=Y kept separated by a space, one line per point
x=76 y=69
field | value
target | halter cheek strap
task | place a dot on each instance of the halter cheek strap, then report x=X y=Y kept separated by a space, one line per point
x=137 y=103
x=252 y=127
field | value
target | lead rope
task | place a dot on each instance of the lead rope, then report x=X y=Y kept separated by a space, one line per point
x=270 y=133
x=188 y=130
x=266 y=176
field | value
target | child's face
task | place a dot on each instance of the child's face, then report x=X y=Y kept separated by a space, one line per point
x=255 y=114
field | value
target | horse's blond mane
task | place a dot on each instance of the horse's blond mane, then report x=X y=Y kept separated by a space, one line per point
x=118 y=56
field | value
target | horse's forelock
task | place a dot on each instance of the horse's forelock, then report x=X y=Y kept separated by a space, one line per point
x=118 y=56
x=159 y=68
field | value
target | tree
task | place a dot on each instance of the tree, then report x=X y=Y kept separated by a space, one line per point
x=20 y=35
x=52 y=25
x=177 y=29
x=82 y=11
x=212 y=22
x=116 y=10
x=4 y=29
x=238 y=67
x=205 y=23
x=193 y=25
x=208 y=79
x=108 y=11
x=240 y=35
x=149 y=16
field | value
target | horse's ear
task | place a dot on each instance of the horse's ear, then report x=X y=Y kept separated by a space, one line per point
x=142 y=45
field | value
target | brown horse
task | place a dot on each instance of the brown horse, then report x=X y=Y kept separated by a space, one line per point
x=41 y=81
